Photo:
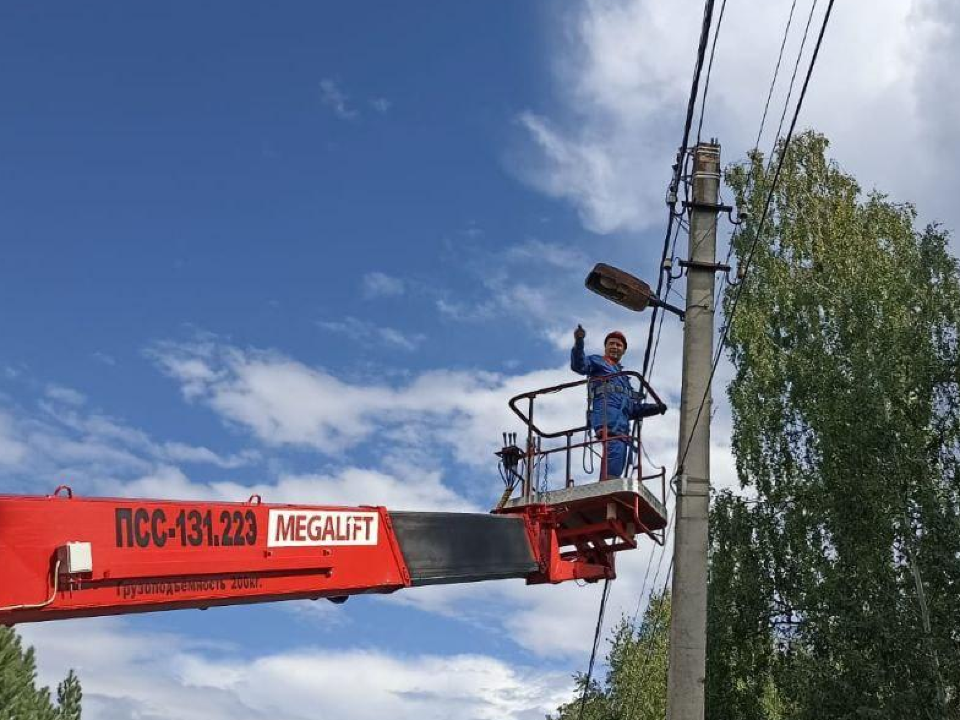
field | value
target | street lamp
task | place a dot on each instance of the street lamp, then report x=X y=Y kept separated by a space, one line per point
x=624 y=289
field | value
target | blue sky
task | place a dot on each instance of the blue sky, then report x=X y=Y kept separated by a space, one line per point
x=310 y=250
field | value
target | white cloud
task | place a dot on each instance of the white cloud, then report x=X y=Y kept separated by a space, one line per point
x=284 y=402
x=334 y=98
x=381 y=285
x=536 y=283
x=380 y=104
x=127 y=673
x=104 y=358
x=529 y=615
x=181 y=452
x=98 y=455
x=60 y=441
x=98 y=435
x=191 y=368
x=880 y=92
x=66 y=395
x=408 y=488
x=564 y=257
x=362 y=330
x=12 y=450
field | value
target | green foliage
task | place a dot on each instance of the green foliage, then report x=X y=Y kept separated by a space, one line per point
x=833 y=590
x=69 y=696
x=20 y=699
x=635 y=687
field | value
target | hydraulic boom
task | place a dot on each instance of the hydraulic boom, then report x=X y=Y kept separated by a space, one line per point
x=63 y=556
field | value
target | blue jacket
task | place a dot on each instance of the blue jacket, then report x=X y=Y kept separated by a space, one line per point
x=615 y=402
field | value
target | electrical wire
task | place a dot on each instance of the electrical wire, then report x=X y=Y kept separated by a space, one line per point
x=653 y=632
x=776 y=72
x=678 y=167
x=793 y=77
x=49 y=601
x=706 y=84
x=674 y=185
x=725 y=333
x=759 y=232
x=648 y=373
x=783 y=115
x=669 y=283
x=671 y=518
x=596 y=644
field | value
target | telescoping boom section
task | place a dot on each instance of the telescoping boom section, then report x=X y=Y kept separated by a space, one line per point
x=63 y=556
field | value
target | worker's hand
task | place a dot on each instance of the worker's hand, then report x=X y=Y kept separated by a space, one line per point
x=579 y=333
x=661 y=408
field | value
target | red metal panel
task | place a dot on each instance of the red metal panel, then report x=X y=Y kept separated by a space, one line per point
x=151 y=555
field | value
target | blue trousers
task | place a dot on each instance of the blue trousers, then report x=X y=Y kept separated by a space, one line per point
x=617 y=451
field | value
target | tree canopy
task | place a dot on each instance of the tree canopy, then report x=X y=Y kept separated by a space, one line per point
x=834 y=577
x=635 y=687
x=834 y=585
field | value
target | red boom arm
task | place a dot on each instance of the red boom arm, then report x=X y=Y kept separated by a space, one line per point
x=63 y=557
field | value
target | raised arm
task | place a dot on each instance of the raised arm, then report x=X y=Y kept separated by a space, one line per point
x=578 y=358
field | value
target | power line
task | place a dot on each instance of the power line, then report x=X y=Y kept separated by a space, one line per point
x=783 y=115
x=746 y=268
x=706 y=84
x=747 y=264
x=672 y=199
x=663 y=549
x=763 y=217
x=776 y=72
x=669 y=287
x=653 y=632
x=678 y=166
x=596 y=644
x=793 y=77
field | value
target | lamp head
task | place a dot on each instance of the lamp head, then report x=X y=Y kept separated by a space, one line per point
x=619 y=286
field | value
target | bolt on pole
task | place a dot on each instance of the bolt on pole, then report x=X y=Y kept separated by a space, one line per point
x=688 y=626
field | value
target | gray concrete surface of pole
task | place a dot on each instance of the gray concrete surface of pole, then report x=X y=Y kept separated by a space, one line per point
x=688 y=626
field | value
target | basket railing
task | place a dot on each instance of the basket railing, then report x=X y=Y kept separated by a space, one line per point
x=525 y=408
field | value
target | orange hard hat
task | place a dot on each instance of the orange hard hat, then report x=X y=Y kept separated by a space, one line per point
x=618 y=335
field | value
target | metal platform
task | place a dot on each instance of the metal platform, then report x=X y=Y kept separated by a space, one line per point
x=590 y=500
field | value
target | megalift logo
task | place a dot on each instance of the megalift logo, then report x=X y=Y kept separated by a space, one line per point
x=291 y=528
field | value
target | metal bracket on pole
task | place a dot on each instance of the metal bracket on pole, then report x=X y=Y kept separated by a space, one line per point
x=699 y=265
x=690 y=486
x=707 y=206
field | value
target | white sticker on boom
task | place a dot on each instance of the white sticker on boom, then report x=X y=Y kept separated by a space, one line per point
x=292 y=528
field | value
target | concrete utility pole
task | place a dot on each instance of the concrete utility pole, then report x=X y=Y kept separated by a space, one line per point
x=688 y=626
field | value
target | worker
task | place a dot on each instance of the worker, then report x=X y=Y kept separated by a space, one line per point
x=615 y=403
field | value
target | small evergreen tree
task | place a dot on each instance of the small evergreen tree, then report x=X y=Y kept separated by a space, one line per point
x=20 y=698
x=69 y=696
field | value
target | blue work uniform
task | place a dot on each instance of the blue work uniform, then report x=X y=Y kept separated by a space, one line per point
x=615 y=403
